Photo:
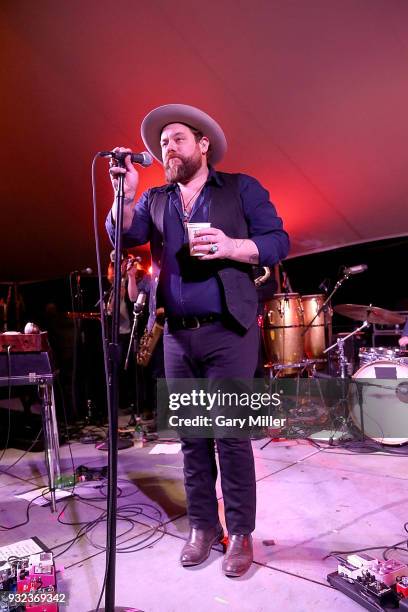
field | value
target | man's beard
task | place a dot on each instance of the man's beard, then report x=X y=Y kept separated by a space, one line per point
x=184 y=171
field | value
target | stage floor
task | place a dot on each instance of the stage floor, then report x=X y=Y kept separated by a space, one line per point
x=310 y=502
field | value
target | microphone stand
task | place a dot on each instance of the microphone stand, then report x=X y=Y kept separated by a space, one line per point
x=326 y=307
x=114 y=367
x=345 y=376
x=137 y=311
x=327 y=300
x=77 y=303
x=340 y=346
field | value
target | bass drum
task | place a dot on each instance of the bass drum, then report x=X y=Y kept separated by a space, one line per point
x=379 y=401
x=282 y=330
x=314 y=338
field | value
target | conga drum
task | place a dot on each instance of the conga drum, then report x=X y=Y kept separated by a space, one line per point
x=314 y=338
x=282 y=329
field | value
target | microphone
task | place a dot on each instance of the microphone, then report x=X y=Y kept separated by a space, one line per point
x=144 y=158
x=355 y=270
x=140 y=303
x=324 y=285
x=87 y=271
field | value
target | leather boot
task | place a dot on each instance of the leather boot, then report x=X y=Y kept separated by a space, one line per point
x=239 y=555
x=199 y=543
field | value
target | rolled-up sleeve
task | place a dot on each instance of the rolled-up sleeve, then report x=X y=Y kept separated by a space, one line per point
x=139 y=231
x=264 y=226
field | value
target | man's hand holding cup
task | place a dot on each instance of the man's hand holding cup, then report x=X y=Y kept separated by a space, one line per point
x=211 y=243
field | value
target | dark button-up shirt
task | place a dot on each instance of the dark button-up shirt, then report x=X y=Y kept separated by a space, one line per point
x=188 y=286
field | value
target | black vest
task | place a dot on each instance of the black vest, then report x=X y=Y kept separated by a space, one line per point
x=226 y=213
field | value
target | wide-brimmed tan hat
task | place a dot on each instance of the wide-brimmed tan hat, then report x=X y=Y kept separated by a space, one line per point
x=158 y=118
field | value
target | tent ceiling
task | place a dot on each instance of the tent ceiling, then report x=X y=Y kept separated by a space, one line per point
x=313 y=97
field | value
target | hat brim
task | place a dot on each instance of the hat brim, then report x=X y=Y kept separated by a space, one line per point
x=158 y=118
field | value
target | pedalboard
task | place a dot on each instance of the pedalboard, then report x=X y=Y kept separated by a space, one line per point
x=28 y=583
x=373 y=583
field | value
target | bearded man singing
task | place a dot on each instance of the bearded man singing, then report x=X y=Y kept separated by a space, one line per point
x=210 y=301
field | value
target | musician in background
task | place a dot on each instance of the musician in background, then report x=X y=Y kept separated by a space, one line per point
x=403 y=341
x=150 y=372
x=128 y=295
x=128 y=292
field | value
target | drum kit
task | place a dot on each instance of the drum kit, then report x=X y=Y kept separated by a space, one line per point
x=297 y=329
x=296 y=332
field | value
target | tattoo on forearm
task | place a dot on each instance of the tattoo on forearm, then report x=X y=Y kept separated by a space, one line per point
x=254 y=259
x=238 y=243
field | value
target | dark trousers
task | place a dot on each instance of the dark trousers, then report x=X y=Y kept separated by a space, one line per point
x=214 y=351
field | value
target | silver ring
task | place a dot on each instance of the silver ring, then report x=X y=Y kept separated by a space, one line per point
x=213 y=249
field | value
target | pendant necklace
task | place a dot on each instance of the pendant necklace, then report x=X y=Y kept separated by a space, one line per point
x=185 y=205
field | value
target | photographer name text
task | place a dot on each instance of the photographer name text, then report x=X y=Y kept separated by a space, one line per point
x=223 y=421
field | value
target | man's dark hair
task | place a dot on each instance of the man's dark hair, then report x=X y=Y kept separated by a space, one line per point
x=198 y=136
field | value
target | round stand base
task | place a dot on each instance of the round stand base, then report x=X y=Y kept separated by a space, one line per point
x=122 y=444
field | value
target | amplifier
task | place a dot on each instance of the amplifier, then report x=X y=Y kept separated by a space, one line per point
x=24 y=343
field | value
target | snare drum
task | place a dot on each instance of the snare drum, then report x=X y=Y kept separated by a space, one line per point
x=314 y=338
x=282 y=328
x=384 y=401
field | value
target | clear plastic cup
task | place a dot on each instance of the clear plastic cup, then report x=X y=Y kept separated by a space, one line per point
x=192 y=228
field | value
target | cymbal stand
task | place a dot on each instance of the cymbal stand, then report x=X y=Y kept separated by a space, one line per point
x=339 y=344
x=345 y=376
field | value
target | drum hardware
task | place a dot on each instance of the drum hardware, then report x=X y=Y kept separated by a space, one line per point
x=370 y=354
x=351 y=351
x=342 y=408
x=304 y=411
x=303 y=407
x=306 y=365
x=339 y=344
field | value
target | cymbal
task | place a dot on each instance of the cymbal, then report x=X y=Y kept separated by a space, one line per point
x=83 y=315
x=372 y=314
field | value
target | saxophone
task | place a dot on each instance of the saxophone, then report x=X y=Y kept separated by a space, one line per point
x=260 y=280
x=150 y=339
